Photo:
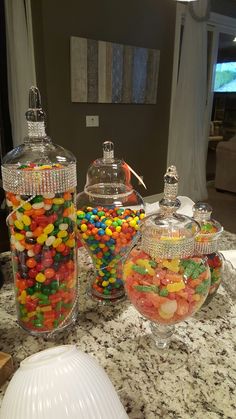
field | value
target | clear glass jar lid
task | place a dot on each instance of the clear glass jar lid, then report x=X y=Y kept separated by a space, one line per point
x=108 y=176
x=167 y=234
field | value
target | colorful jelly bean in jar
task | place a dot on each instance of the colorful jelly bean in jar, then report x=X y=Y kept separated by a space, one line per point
x=108 y=218
x=163 y=278
x=207 y=244
x=39 y=179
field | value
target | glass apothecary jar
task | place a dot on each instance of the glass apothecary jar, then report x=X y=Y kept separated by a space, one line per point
x=108 y=216
x=39 y=179
x=207 y=244
x=163 y=278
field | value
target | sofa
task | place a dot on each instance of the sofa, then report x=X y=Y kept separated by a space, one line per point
x=226 y=165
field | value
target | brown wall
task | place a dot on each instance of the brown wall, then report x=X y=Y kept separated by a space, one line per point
x=140 y=132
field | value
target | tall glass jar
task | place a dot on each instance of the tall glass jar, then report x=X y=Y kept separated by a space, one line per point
x=163 y=278
x=207 y=244
x=108 y=217
x=39 y=179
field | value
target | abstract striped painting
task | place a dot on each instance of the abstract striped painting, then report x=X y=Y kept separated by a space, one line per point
x=106 y=72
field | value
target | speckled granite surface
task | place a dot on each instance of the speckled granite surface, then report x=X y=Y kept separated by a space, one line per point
x=195 y=378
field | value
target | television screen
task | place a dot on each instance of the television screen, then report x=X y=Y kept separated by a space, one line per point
x=225 y=77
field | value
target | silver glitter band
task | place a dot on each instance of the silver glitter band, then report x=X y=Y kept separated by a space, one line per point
x=37 y=182
x=168 y=249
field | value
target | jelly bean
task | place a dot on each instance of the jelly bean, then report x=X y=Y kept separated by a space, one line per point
x=40 y=277
x=31 y=263
x=33 y=230
x=48 y=229
x=42 y=238
x=26 y=220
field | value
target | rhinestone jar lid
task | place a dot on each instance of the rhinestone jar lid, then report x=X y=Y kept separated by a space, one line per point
x=210 y=230
x=167 y=234
x=38 y=165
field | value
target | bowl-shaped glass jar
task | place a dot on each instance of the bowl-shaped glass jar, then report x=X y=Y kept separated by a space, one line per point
x=163 y=279
x=207 y=244
x=39 y=178
x=108 y=217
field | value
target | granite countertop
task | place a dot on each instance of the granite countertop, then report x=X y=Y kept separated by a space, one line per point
x=195 y=378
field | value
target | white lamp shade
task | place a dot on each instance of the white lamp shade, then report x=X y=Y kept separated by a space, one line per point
x=61 y=383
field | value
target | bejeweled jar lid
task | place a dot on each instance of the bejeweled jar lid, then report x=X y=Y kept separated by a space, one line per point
x=207 y=239
x=167 y=234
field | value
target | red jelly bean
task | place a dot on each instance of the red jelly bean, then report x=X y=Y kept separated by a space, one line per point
x=49 y=273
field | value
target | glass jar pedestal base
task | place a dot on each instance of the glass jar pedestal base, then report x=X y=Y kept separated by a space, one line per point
x=162 y=335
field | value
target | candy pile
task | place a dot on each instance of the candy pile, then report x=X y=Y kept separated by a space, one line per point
x=207 y=229
x=166 y=291
x=107 y=232
x=214 y=261
x=42 y=235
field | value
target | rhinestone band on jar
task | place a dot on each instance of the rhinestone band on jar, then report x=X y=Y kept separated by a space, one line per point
x=39 y=179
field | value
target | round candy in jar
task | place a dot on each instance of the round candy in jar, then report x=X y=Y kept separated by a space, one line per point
x=40 y=195
x=108 y=218
x=163 y=278
x=207 y=244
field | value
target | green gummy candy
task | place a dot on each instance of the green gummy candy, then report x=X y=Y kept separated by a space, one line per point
x=164 y=292
x=146 y=288
x=140 y=269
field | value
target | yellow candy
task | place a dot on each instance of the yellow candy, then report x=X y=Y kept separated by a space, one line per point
x=113 y=271
x=132 y=223
x=48 y=229
x=141 y=216
x=108 y=232
x=83 y=227
x=101 y=245
x=177 y=286
x=46 y=308
x=85 y=236
x=58 y=201
x=112 y=280
x=27 y=206
x=137 y=227
x=62 y=234
x=25 y=319
x=127 y=269
x=172 y=266
x=164 y=315
x=19 y=236
x=26 y=220
x=105 y=283
x=19 y=225
x=118 y=229
x=40 y=277
x=145 y=264
x=70 y=243
x=108 y=222
x=22 y=297
x=136 y=219
x=79 y=212
x=31 y=314
x=42 y=238
x=101 y=273
x=57 y=242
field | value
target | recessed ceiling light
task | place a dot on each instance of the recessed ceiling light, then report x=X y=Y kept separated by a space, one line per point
x=234 y=39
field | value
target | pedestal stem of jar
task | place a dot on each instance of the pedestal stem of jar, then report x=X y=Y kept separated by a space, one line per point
x=162 y=335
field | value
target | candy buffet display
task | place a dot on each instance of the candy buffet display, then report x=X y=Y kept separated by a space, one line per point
x=108 y=218
x=163 y=278
x=40 y=183
x=207 y=243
